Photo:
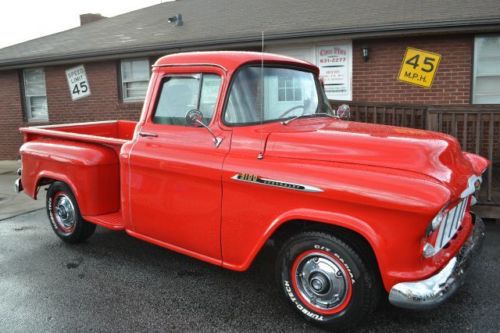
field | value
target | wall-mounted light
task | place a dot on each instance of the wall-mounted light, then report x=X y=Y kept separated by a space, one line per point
x=177 y=19
x=366 y=54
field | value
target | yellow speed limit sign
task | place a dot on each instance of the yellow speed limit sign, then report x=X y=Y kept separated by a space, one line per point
x=419 y=67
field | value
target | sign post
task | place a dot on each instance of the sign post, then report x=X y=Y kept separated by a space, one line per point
x=77 y=82
x=419 y=67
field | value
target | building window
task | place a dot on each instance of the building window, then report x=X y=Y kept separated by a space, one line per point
x=487 y=70
x=135 y=78
x=288 y=90
x=35 y=95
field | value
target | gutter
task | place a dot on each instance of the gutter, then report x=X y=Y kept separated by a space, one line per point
x=390 y=30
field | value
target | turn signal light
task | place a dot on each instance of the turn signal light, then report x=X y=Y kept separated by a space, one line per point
x=429 y=250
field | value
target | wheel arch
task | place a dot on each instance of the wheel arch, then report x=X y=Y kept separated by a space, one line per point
x=344 y=226
x=354 y=239
x=47 y=177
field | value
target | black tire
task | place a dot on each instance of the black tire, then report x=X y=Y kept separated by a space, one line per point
x=306 y=266
x=64 y=214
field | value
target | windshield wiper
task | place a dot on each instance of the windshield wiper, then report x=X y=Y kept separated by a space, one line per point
x=319 y=114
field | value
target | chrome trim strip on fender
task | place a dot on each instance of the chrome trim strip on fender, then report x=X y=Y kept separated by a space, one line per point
x=248 y=178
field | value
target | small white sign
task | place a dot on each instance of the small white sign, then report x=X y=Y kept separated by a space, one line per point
x=335 y=65
x=77 y=82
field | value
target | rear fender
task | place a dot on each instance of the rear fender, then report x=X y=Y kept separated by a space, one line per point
x=90 y=170
x=52 y=177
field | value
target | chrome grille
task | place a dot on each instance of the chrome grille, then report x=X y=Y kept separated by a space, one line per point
x=451 y=223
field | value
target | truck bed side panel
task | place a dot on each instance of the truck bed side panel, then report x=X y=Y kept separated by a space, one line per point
x=91 y=170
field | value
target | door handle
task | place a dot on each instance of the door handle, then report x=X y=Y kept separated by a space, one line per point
x=148 y=134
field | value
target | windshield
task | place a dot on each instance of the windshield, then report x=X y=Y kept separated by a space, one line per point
x=273 y=93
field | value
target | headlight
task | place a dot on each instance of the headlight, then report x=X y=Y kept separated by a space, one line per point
x=429 y=250
x=436 y=221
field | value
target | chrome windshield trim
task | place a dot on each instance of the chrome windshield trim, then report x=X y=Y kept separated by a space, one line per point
x=248 y=178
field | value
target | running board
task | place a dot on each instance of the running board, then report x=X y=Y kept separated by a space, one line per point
x=113 y=221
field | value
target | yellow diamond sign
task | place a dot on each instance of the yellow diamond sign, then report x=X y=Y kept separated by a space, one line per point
x=419 y=67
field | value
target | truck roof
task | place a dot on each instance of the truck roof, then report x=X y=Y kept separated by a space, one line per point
x=230 y=60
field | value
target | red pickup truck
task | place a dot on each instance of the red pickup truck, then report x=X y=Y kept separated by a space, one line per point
x=237 y=149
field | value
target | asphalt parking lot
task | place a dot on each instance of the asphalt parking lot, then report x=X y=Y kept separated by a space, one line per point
x=117 y=283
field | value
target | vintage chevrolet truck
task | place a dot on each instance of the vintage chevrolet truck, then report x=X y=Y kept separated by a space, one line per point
x=234 y=150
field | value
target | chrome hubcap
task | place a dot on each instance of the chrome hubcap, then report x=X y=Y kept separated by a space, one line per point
x=322 y=281
x=64 y=213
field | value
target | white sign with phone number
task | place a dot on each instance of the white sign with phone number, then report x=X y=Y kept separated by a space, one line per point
x=78 y=83
x=335 y=65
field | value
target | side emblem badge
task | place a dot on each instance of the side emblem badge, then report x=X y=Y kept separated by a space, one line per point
x=249 y=178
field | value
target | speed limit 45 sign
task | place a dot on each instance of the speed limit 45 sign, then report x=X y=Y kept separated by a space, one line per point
x=419 y=67
x=78 y=83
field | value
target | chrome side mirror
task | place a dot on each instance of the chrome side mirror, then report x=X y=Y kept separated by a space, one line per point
x=195 y=118
x=344 y=112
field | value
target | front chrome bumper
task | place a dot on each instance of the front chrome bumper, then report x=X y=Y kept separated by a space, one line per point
x=429 y=293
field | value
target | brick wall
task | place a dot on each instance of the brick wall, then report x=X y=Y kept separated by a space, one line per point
x=103 y=104
x=376 y=79
x=11 y=116
x=373 y=81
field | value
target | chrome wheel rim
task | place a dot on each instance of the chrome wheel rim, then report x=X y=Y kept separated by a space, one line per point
x=63 y=213
x=322 y=281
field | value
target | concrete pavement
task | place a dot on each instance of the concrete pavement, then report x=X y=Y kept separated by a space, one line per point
x=115 y=283
x=11 y=203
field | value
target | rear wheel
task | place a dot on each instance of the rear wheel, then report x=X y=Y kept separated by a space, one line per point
x=64 y=214
x=325 y=280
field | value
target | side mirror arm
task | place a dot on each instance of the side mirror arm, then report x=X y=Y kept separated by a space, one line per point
x=217 y=140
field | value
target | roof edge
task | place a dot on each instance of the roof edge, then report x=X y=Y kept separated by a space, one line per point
x=389 y=30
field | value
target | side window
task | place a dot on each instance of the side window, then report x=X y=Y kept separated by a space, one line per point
x=35 y=95
x=486 y=88
x=209 y=93
x=135 y=78
x=180 y=94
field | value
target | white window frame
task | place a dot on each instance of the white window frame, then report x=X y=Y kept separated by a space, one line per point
x=27 y=98
x=286 y=85
x=475 y=71
x=124 y=82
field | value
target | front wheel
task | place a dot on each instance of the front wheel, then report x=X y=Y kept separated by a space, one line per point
x=325 y=280
x=64 y=214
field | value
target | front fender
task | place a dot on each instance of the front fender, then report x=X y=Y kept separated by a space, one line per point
x=327 y=217
x=479 y=163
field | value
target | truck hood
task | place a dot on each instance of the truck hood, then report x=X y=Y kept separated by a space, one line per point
x=432 y=154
